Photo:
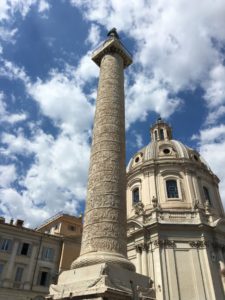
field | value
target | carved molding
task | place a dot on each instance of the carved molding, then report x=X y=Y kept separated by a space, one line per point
x=198 y=244
x=139 y=208
x=141 y=247
x=138 y=248
x=165 y=243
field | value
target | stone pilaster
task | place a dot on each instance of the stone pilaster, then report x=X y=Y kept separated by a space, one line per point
x=11 y=262
x=138 y=257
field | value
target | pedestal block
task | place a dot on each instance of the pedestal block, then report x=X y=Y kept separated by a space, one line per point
x=101 y=281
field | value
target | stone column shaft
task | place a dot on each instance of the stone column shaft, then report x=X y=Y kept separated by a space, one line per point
x=104 y=231
x=104 y=225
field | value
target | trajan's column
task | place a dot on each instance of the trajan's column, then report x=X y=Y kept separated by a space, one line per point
x=102 y=270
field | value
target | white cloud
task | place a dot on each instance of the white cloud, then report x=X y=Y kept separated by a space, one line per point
x=6 y=116
x=7 y=175
x=147 y=95
x=11 y=200
x=215 y=115
x=211 y=135
x=8 y=10
x=180 y=51
x=12 y=71
x=139 y=140
x=211 y=147
x=43 y=6
x=94 y=35
x=63 y=101
x=57 y=178
x=9 y=7
x=215 y=87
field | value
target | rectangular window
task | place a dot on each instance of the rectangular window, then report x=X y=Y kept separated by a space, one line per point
x=171 y=187
x=72 y=227
x=24 y=250
x=5 y=244
x=207 y=195
x=19 y=274
x=43 y=278
x=47 y=253
x=135 y=195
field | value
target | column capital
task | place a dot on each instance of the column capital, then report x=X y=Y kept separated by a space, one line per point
x=112 y=45
x=164 y=243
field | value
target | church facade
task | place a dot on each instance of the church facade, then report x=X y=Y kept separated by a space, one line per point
x=176 y=224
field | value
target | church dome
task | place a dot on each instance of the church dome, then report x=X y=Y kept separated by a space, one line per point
x=171 y=176
x=164 y=148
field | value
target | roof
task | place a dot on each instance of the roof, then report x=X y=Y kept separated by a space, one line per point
x=165 y=150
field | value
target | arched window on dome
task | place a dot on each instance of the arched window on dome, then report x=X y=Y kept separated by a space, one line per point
x=156 y=135
x=171 y=188
x=161 y=134
x=135 y=196
x=207 y=194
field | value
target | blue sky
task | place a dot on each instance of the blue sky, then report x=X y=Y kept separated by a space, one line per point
x=48 y=89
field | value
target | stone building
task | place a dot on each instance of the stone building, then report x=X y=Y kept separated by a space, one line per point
x=176 y=224
x=30 y=259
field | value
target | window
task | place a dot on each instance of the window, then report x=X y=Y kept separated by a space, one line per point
x=24 y=249
x=206 y=194
x=161 y=134
x=135 y=195
x=19 y=274
x=72 y=227
x=43 y=278
x=6 y=244
x=47 y=253
x=156 y=136
x=137 y=159
x=171 y=188
x=166 y=151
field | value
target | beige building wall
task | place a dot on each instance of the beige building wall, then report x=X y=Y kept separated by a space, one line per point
x=30 y=260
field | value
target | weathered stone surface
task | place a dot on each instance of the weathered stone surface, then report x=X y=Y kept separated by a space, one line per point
x=102 y=280
x=103 y=271
x=105 y=216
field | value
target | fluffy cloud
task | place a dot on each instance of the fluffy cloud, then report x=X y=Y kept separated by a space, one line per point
x=56 y=179
x=9 y=7
x=211 y=146
x=147 y=95
x=11 y=200
x=7 y=175
x=179 y=51
x=7 y=117
x=93 y=36
x=64 y=102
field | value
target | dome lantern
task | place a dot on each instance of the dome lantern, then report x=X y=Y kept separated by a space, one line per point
x=161 y=131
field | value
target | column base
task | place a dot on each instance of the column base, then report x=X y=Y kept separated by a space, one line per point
x=101 y=281
x=98 y=257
